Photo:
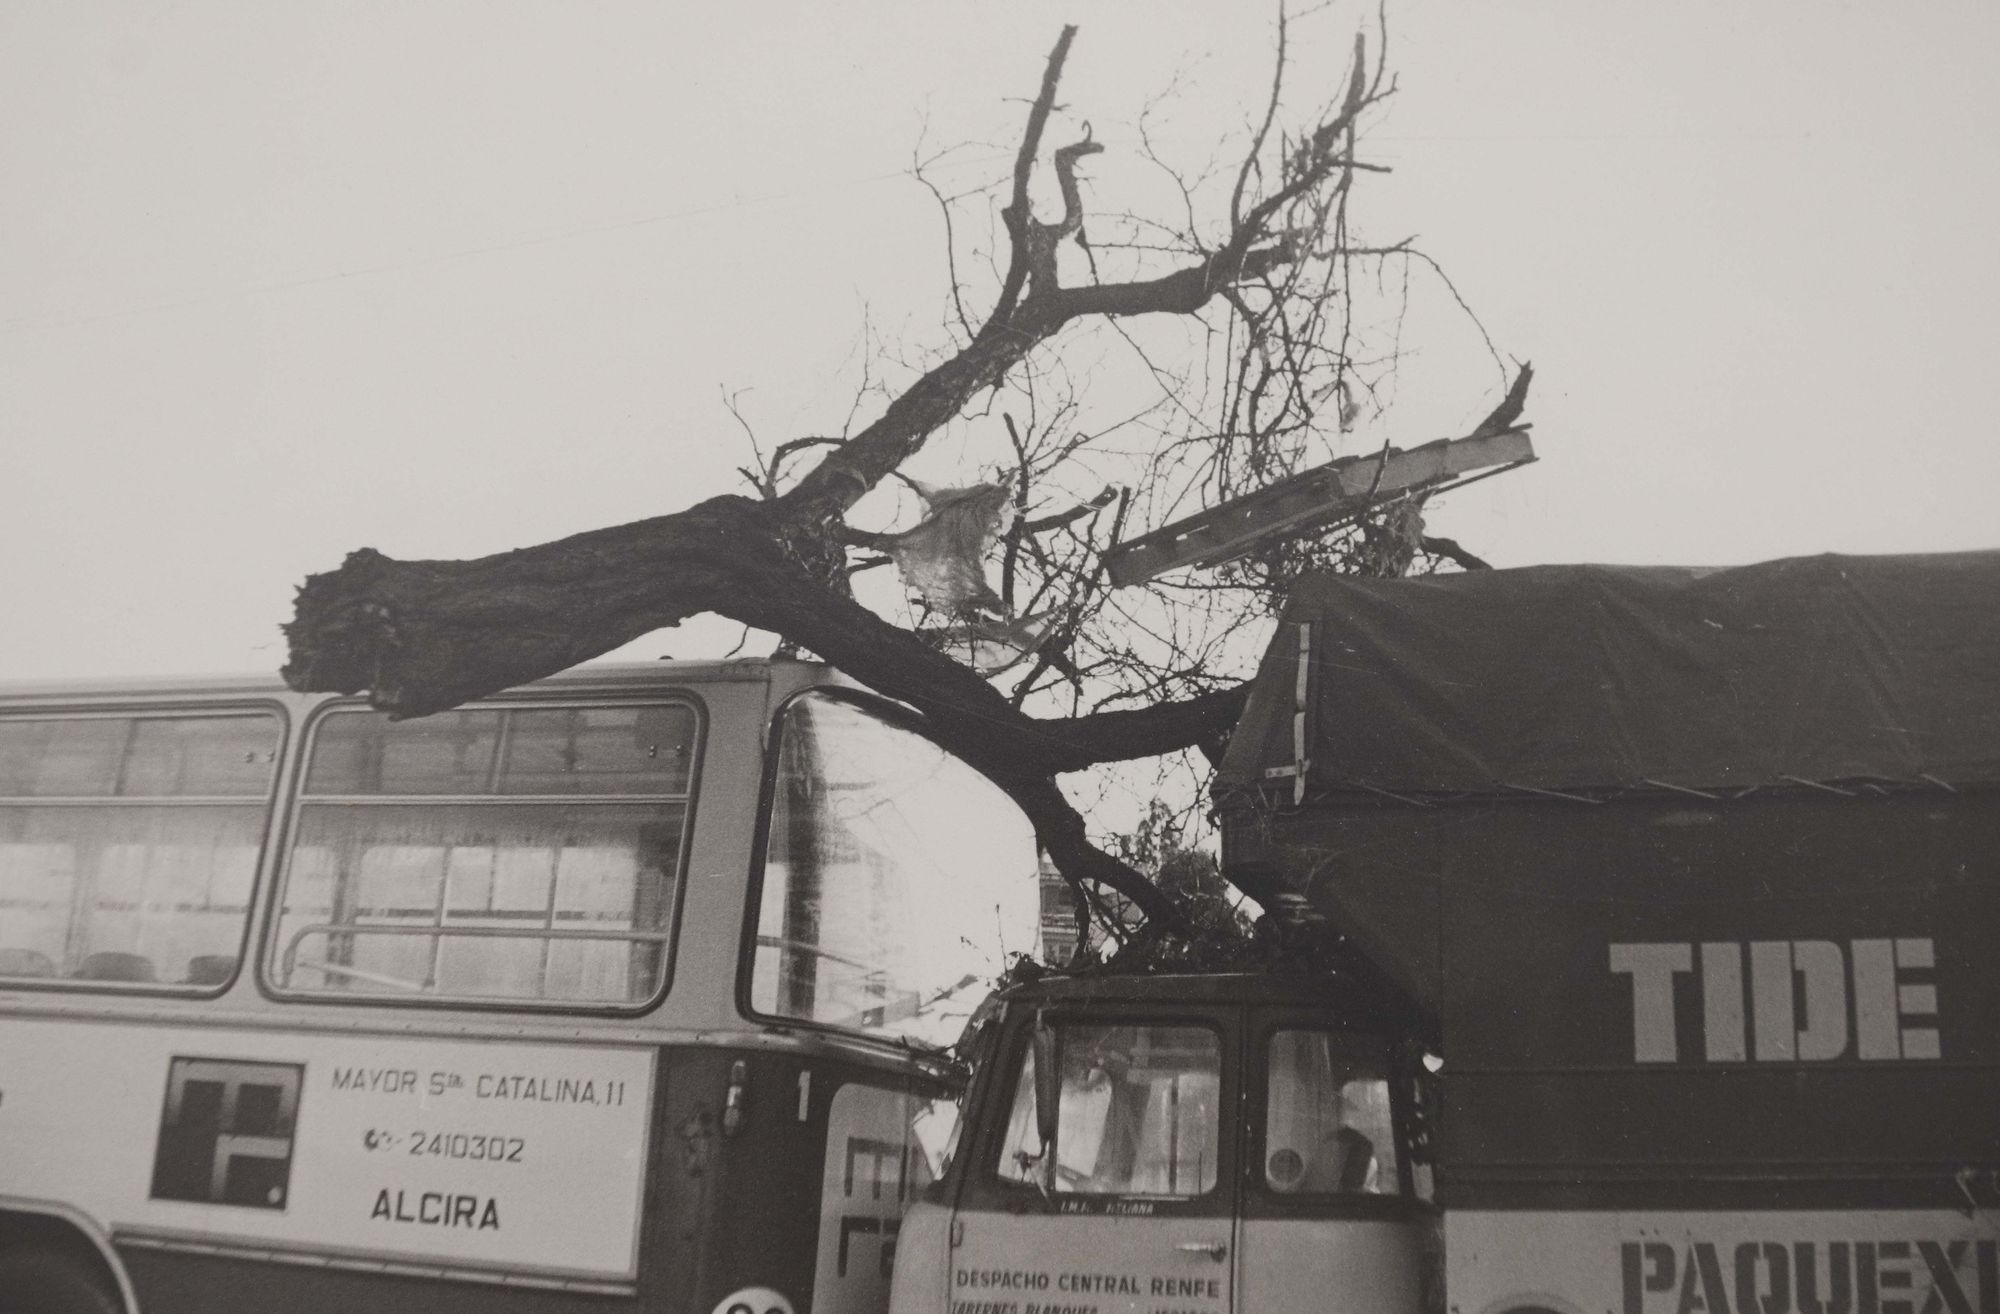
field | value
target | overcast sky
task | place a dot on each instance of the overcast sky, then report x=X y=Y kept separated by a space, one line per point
x=278 y=281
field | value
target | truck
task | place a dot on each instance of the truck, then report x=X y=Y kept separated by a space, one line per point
x=1671 y=898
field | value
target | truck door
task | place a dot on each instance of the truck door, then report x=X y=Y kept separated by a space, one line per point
x=1329 y=1221
x=1131 y=1209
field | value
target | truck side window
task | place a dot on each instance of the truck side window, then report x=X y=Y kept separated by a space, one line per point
x=1327 y=1125
x=1138 y=1113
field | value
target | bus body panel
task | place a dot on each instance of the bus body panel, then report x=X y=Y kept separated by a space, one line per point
x=443 y=1152
x=185 y=1282
x=251 y=1144
x=873 y=1168
x=921 y=1279
x=802 y=1201
x=631 y=1189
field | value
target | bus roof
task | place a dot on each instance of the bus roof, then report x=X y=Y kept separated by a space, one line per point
x=608 y=675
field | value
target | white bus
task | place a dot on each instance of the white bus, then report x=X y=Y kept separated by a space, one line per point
x=609 y=993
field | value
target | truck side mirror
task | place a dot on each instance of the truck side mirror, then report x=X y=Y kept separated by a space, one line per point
x=1423 y=1107
x=1048 y=1086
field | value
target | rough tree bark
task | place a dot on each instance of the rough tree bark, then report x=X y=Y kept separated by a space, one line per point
x=422 y=636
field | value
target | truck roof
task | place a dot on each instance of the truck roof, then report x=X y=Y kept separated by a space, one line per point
x=1317 y=991
x=1811 y=669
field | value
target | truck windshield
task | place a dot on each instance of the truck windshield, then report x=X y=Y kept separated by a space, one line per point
x=897 y=880
x=1327 y=1124
x=1138 y=1113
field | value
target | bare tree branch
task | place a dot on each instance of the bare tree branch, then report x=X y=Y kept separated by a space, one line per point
x=1043 y=524
x=1509 y=411
x=1266 y=301
x=1018 y=323
x=1449 y=549
x=1018 y=214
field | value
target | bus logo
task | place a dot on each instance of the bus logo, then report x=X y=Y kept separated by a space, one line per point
x=226 y=1132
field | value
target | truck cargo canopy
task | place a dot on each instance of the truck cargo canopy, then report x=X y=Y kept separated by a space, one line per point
x=1484 y=818
x=1821 y=669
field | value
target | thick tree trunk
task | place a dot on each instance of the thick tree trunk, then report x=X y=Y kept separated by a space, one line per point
x=421 y=636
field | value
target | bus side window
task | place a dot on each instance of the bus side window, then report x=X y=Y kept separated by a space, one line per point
x=129 y=844
x=491 y=853
x=1327 y=1123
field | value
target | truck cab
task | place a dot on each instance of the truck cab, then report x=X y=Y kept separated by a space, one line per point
x=1178 y=1143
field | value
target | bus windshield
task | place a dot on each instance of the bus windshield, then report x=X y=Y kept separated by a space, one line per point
x=897 y=880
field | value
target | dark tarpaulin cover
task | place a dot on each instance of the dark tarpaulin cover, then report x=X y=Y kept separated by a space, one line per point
x=1821 y=668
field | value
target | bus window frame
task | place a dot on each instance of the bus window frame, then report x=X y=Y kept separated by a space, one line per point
x=884 y=709
x=272 y=902
x=267 y=832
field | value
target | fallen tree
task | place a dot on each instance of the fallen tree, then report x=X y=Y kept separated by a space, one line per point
x=422 y=636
